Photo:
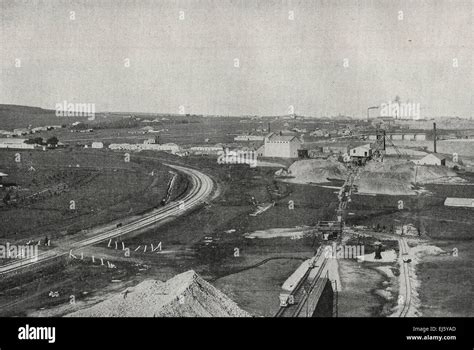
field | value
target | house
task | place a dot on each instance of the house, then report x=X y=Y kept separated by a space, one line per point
x=149 y=141
x=6 y=133
x=317 y=133
x=459 y=202
x=97 y=145
x=21 y=131
x=148 y=129
x=431 y=159
x=364 y=151
x=281 y=146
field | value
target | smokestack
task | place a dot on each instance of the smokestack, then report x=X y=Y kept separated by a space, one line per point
x=268 y=127
x=434 y=137
x=384 y=136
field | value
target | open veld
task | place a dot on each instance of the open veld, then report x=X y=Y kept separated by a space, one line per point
x=61 y=192
x=245 y=253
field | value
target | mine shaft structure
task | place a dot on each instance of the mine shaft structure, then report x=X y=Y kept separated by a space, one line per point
x=380 y=145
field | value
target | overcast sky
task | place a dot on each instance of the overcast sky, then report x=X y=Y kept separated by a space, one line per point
x=290 y=53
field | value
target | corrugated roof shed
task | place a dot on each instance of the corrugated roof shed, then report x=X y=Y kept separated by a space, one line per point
x=459 y=202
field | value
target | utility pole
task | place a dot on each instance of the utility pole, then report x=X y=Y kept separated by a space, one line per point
x=434 y=137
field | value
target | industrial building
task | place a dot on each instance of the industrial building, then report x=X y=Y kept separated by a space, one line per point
x=431 y=159
x=280 y=146
x=402 y=136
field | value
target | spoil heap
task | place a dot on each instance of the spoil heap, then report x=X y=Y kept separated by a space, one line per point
x=394 y=177
x=184 y=295
x=317 y=170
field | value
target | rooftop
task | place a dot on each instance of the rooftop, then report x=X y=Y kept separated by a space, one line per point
x=277 y=137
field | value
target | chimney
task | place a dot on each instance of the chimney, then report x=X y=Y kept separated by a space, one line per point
x=434 y=137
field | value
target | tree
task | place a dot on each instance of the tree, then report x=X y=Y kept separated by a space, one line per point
x=52 y=141
x=36 y=140
x=7 y=198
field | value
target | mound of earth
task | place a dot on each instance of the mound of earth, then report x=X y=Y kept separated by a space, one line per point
x=184 y=295
x=436 y=174
x=398 y=177
x=316 y=170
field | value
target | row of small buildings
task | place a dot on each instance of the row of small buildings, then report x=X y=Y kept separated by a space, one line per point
x=406 y=136
x=28 y=131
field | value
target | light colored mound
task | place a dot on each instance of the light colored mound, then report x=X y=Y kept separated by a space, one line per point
x=385 y=183
x=395 y=177
x=317 y=170
x=294 y=233
x=184 y=295
x=436 y=174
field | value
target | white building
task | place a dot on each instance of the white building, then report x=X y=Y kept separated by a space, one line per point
x=97 y=145
x=431 y=159
x=15 y=143
x=361 y=151
x=149 y=141
x=372 y=137
x=281 y=146
x=459 y=202
x=420 y=137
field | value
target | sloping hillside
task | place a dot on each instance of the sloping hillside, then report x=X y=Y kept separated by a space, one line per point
x=14 y=116
x=394 y=177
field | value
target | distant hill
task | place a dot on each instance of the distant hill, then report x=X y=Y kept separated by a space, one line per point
x=16 y=116
x=24 y=109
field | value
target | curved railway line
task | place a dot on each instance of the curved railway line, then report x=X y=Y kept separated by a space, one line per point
x=405 y=270
x=201 y=188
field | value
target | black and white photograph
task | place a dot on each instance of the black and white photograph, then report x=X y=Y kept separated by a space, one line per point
x=237 y=159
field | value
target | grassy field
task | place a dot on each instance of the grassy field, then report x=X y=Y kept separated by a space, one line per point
x=102 y=185
x=211 y=239
x=446 y=281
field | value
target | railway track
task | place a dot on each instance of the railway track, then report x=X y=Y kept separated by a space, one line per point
x=405 y=298
x=201 y=188
x=299 y=294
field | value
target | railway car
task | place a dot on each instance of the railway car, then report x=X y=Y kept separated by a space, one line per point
x=290 y=285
